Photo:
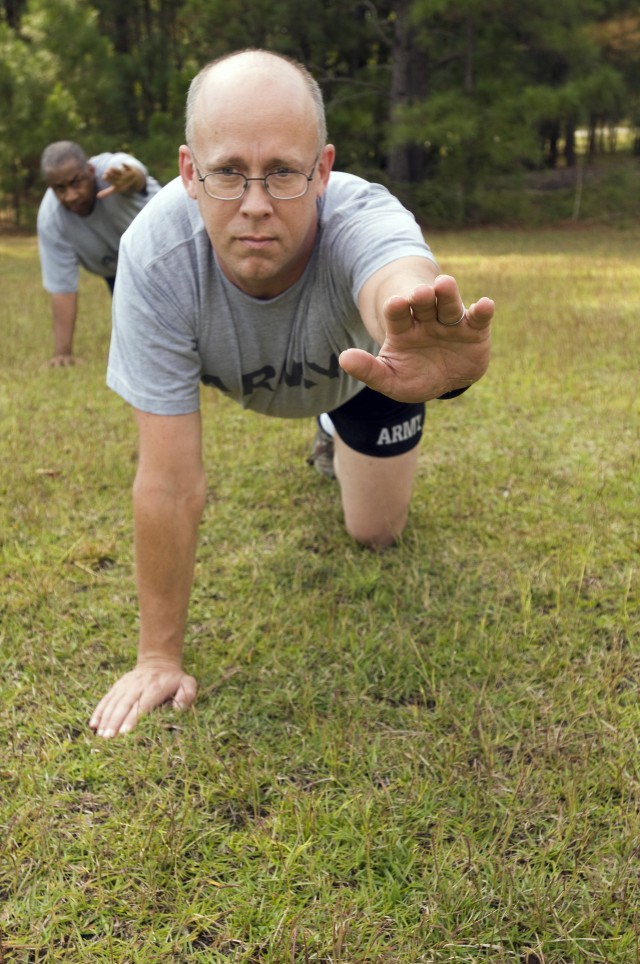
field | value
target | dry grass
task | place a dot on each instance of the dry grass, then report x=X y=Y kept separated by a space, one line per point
x=429 y=755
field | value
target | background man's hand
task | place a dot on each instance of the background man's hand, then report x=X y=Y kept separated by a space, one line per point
x=421 y=358
x=64 y=361
x=124 y=180
x=151 y=683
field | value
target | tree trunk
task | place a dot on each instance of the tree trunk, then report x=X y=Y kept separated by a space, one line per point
x=406 y=162
x=469 y=51
x=570 y=144
x=13 y=12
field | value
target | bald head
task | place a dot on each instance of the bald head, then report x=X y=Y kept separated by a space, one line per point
x=251 y=74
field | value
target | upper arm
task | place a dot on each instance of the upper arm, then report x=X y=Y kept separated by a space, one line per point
x=396 y=278
x=170 y=449
x=58 y=258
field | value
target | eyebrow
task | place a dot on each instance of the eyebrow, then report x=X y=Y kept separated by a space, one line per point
x=55 y=181
x=241 y=164
x=63 y=183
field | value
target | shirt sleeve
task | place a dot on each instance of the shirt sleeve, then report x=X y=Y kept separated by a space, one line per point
x=58 y=261
x=370 y=228
x=154 y=363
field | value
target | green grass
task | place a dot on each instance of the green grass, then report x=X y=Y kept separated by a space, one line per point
x=426 y=755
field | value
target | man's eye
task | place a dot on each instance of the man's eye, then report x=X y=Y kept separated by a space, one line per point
x=61 y=188
x=227 y=172
x=283 y=172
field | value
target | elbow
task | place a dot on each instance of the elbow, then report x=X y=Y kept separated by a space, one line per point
x=187 y=495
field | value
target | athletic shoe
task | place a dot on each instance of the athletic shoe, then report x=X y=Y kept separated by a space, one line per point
x=322 y=454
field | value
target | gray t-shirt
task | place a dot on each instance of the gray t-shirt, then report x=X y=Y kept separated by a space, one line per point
x=177 y=320
x=66 y=240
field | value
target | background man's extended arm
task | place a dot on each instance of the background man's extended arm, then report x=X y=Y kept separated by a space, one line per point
x=125 y=179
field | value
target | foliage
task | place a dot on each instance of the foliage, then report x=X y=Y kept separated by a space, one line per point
x=52 y=89
x=607 y=191
x=423 y=756
x=416 y=90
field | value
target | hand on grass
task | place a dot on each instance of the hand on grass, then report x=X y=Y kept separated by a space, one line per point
x=152 y=683
x=64 y=361
x=421 y=358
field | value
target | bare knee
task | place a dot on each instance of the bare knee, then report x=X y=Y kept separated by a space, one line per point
x=375 y=494
x=377 y=534
x=375 y=542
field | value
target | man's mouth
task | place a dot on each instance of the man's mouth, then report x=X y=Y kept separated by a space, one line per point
x=78 y=207
x=256 y=242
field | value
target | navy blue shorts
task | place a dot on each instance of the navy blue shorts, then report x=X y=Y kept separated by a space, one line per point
x=373 y=424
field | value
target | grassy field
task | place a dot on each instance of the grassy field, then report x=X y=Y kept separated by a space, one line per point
x=427 y=755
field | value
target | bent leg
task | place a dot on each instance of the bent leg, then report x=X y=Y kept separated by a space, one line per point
x=376 y=493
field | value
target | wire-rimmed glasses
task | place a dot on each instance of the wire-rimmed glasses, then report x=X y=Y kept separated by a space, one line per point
x=282 y=185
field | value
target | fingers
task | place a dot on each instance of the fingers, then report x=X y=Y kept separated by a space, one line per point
x=481 y=313
x=402 y=312
x=450 y=305
x=433 y=344
x=118 y=712
x=137 y=693
x=64 y=361
x=121 y=179
x=366 y=368
x=440 y=302
x=450 y=309
x=186 y=694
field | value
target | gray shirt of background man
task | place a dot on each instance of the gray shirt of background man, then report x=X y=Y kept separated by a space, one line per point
x=177 y=320
x=67 y=241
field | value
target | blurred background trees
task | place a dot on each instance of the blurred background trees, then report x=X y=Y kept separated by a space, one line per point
x=459 y=105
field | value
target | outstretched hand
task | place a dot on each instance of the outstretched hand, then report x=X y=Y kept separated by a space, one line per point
x=426 y=353
x=150 y=684
x=122 y=180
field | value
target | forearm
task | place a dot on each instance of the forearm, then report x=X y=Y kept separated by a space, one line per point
x=64 y=309
x=133 y=179
x=140 y=183
x=166 y=528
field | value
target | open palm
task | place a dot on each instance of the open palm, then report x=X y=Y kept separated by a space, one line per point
x=425 y=354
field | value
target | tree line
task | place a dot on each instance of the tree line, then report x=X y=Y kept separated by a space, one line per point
x=434 y=96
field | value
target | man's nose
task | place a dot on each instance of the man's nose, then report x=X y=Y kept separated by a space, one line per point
x=256 y=197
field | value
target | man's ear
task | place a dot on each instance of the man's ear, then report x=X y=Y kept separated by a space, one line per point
x=325 y=164
x=188 y=172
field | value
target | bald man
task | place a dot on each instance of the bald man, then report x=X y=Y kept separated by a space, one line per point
x=296 y=291
x=87 y=207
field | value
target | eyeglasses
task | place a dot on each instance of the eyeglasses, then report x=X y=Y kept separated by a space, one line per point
x=282 y=185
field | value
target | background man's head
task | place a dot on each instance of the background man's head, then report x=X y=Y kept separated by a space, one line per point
x=67 y=172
